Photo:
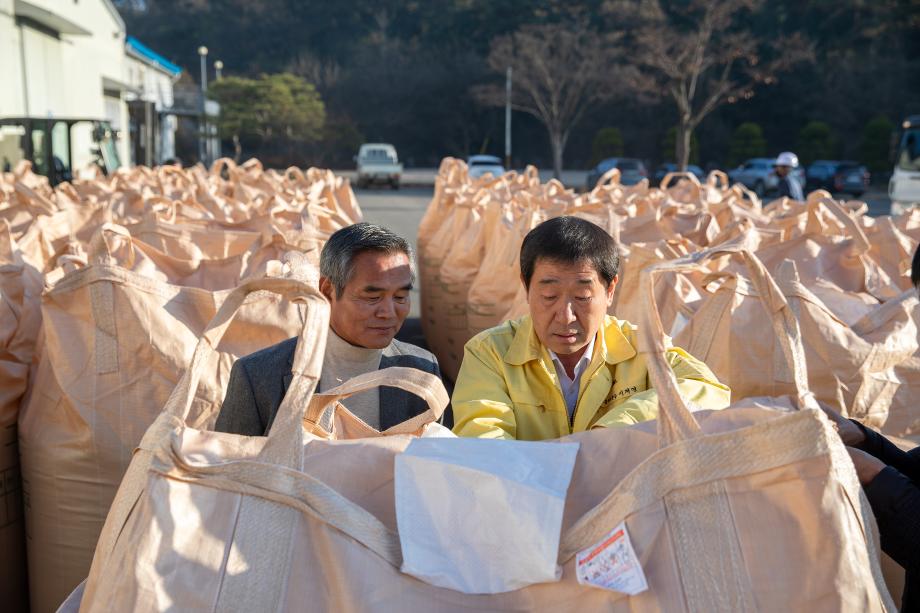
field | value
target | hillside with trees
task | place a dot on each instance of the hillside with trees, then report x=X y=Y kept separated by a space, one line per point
x=305 y=82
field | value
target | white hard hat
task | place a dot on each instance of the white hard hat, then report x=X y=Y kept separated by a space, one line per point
x=787 y=158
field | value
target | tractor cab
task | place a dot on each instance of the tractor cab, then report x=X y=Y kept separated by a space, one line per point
x=58 y=148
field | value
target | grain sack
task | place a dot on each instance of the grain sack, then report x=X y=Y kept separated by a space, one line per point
x=850 y=365
x=20 y=302
x=756 y=507
x=496 y=284
x=115 y=343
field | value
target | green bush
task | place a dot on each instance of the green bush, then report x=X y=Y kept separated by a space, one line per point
x=876 y=144
x=608 y=143
x=747 y=142
x=816 y=142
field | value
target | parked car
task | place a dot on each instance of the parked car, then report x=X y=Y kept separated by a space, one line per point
x=851 y=178
x=631 y=171
x=482 y=164
x=378 y=163
x=820 y=174
x=757 y=174
x=666 y=168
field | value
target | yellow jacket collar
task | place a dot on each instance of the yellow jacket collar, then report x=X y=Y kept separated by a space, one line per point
x=526 y=346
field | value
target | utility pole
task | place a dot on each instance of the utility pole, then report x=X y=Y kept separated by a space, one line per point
x=203 y=125
x=508 y=120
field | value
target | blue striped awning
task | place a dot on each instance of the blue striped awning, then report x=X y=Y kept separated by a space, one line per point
x=151 y=56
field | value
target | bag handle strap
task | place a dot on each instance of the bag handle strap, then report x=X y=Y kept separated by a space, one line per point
x=285 y=438
x=296 y=290
x=672 y=176
x=8 y=250
x=611 y=177
x=219 y=164
x=425 y=385
x=32 y=199
x=746 y=193
x=102 y=247
x=861 y=242
x=675 y=421
x=718 y=178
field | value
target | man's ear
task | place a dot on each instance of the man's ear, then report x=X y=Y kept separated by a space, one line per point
x=611 y=288
x=326 y=288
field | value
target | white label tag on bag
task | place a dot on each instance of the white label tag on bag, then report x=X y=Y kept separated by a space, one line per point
x=612 y=564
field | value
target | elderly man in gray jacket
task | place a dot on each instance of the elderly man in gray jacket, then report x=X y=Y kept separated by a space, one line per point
x=366 y=273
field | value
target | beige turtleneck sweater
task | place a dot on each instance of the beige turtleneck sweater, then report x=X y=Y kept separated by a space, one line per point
x=341 y=362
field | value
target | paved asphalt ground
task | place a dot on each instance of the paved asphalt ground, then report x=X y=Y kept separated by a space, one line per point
x=402 y=210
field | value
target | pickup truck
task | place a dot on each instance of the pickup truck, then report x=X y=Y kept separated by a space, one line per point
x=378 y=163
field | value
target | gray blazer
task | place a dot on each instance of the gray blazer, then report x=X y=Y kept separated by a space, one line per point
x=259 y=381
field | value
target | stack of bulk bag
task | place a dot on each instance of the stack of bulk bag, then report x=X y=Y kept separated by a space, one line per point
x=116 y=319
x=115 y=343
x=440 y=209
x=756 y=507
x=497 y=282
x=849 y=283
x=849 y=364
x=442 y=293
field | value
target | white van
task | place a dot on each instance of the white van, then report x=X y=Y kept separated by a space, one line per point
x=904 y=186
x=378 y=163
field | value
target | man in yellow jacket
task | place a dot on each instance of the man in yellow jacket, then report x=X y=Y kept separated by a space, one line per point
x=568 y=366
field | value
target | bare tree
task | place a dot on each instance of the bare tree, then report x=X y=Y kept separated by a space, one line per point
x=703 y=54
x=325 y=75
x=559 y=71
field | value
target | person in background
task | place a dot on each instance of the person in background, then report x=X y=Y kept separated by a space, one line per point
x=890 y=479
x=910 y=156
x=366 y=273
x=788 y=186
x=568 y=366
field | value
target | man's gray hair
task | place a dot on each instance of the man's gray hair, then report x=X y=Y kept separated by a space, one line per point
x=336 y=262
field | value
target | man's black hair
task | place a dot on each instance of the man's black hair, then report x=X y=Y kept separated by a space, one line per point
x=569 y=240
x=336 y=261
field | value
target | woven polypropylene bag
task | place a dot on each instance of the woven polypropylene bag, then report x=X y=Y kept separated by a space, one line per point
x=20 y=320
x=115 y=343
x=753 y=508
x=851 y=364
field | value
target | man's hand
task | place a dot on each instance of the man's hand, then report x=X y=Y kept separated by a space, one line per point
x=867 y=466
x=849 y=432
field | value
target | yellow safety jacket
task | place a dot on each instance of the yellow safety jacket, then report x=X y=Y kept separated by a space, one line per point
x=508 y=387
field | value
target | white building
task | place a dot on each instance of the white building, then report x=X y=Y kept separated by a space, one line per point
x=150 y=101
x=67 y=70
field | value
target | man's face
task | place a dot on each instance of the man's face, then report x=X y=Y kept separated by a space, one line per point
x=375 y=302
x=781 y=171
x=568 y=303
